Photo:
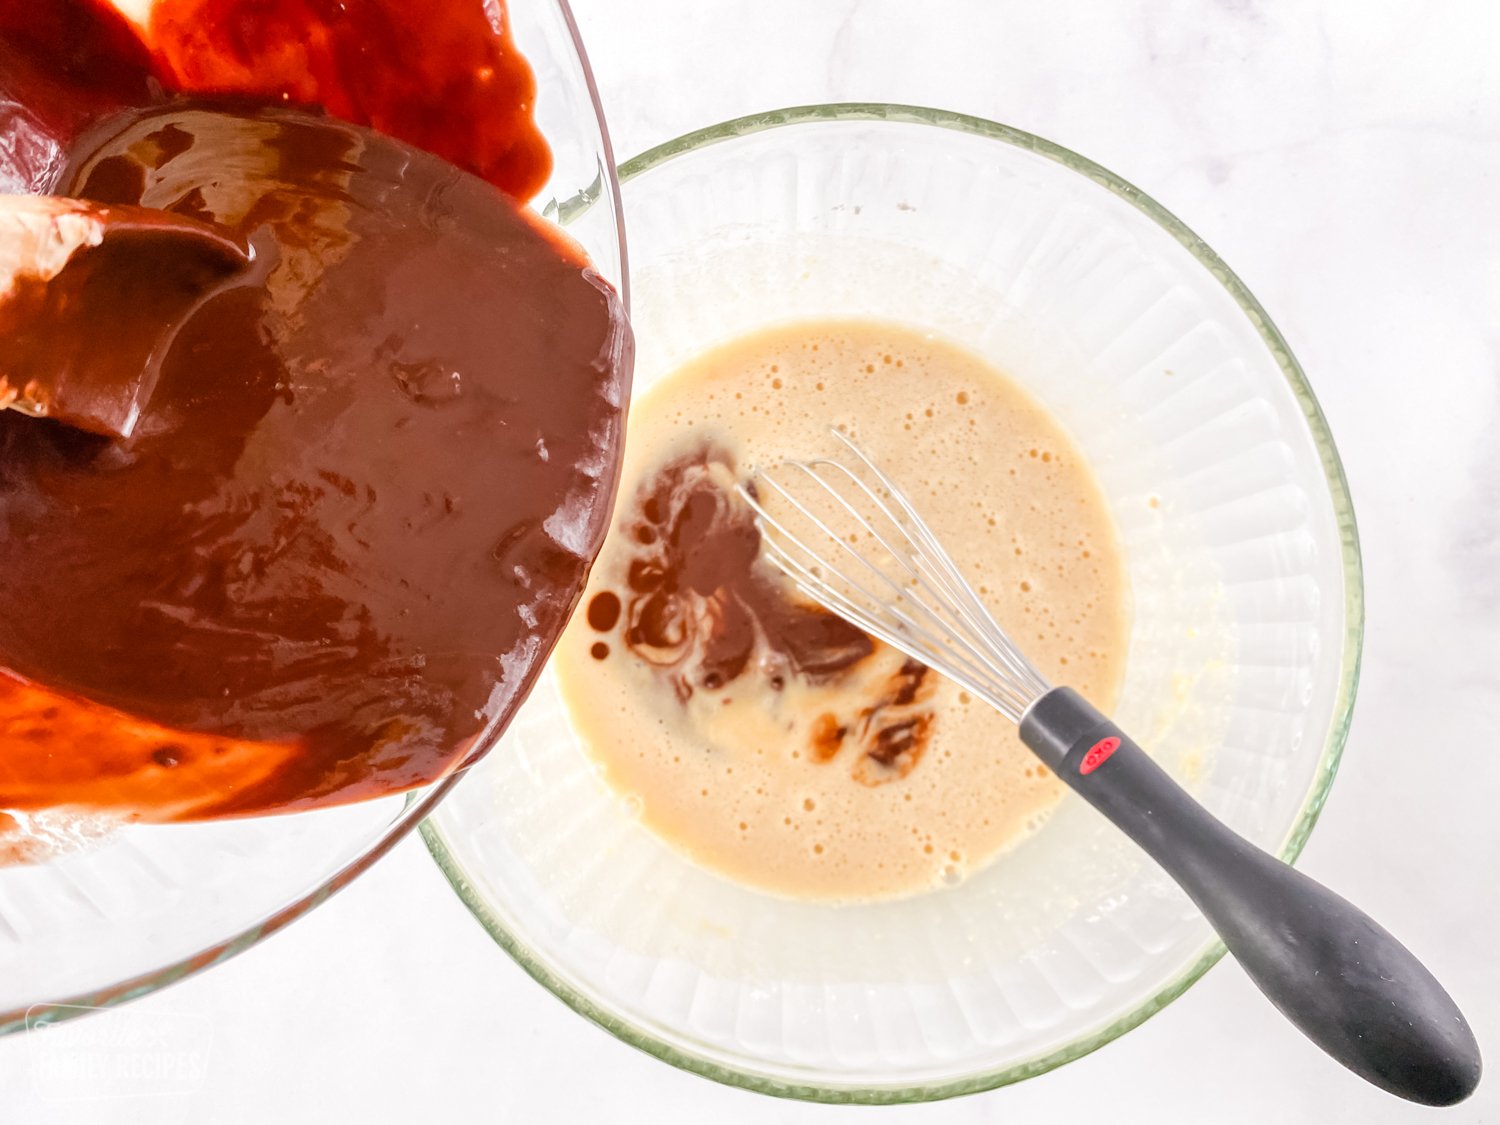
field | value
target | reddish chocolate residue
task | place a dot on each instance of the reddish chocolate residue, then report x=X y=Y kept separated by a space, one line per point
x=701 y=608
x=63 y=65
x=827 y=737
x=443 y=75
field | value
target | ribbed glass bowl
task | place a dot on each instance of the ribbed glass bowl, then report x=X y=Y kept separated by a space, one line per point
x=116 y=917
x=1244 y=569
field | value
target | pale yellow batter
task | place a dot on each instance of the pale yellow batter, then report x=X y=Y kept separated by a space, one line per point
x=879 y=779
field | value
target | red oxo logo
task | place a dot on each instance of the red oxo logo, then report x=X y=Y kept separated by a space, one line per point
x=1098 y=754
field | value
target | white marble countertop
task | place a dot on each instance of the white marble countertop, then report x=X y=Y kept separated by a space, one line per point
x=1344 y=157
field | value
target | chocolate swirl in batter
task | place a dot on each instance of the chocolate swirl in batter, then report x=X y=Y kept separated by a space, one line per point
x=700 y=607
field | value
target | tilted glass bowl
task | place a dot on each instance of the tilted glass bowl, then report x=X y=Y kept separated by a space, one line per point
x=1244 y=650
x=145 y=906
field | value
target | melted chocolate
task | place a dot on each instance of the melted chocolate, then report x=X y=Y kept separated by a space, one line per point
x=702 y=609
x=373 y=475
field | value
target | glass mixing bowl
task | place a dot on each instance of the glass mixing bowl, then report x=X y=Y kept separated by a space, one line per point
x=125 y=914
x=1243 y=563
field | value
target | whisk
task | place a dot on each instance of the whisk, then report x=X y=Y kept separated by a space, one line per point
x=1337 y=975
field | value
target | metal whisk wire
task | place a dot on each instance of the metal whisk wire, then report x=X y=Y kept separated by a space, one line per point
x=932 y=613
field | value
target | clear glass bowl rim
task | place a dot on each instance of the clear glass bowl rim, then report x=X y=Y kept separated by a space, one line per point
x=1333 y=748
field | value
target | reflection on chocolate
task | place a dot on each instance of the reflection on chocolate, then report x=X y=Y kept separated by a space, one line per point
x=359 y=510
x=703 y=609
x=142 y=281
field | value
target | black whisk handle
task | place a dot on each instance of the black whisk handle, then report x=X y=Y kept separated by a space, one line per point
x=1351 y=987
